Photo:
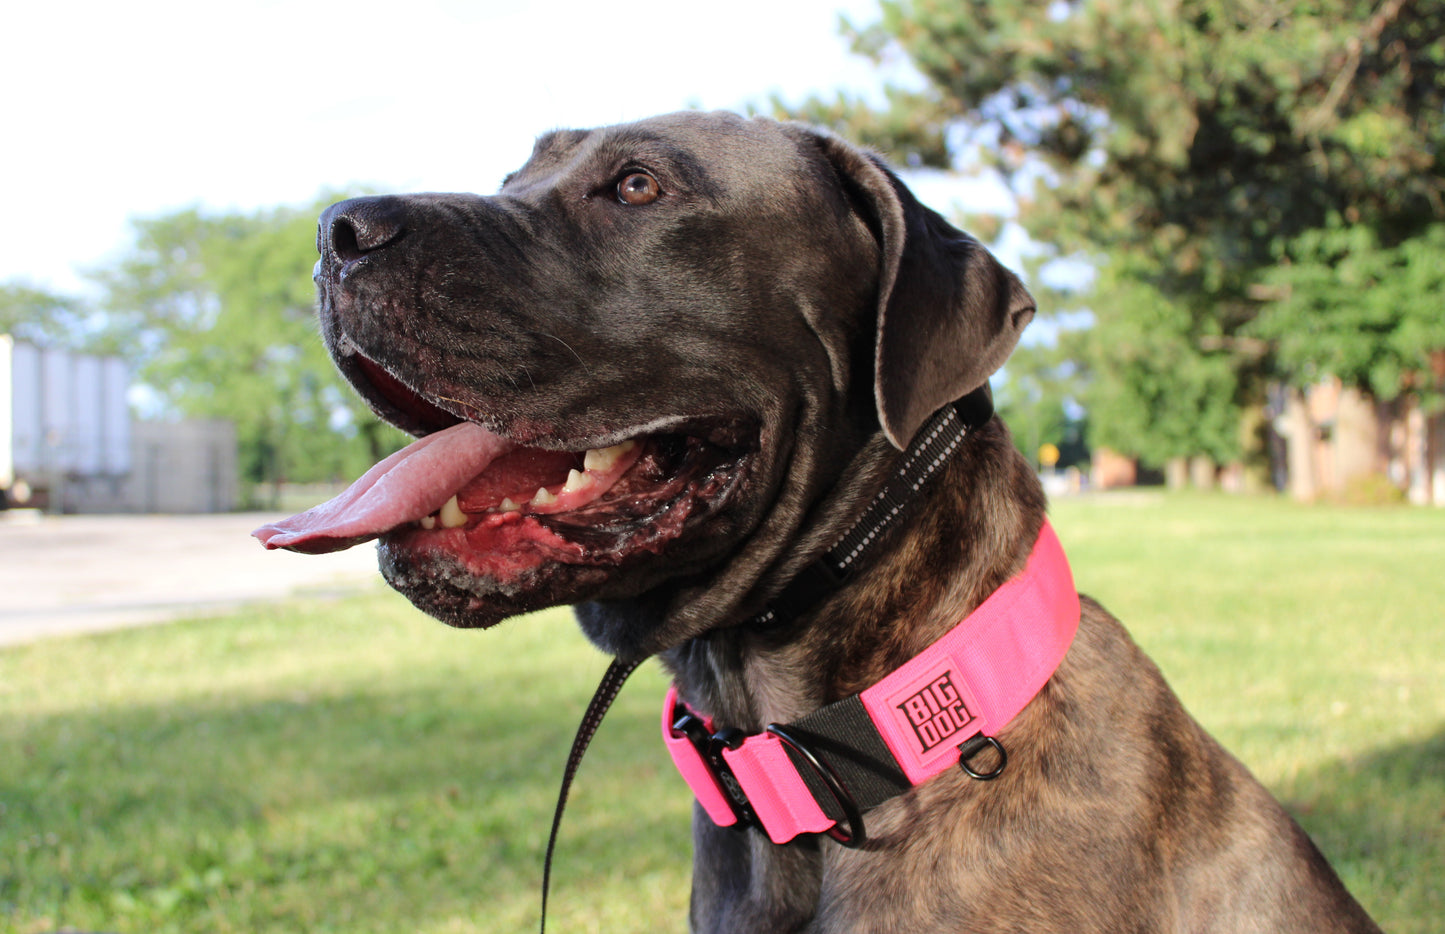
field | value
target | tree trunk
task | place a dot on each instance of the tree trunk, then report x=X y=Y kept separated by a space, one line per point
x=1202 y=472
x=1358 y=441
x=1254 y=431
x=1301 y=436
x=1416 y=454
x=1434 y=470
x=1176 y=473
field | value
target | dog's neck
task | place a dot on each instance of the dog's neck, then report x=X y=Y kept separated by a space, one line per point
x=970 y=531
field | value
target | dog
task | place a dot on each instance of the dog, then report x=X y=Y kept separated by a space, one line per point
x=658 y=375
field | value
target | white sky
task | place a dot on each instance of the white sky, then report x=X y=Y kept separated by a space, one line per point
x=118 y=110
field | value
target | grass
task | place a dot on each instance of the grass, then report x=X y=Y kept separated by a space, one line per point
x=352 y=766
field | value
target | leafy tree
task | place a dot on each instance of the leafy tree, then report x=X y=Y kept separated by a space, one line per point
x=219 y=309
x=42 y=317
x=1350 y=307
x=1187 y=145
x=1038 y=400
x=1153 y=392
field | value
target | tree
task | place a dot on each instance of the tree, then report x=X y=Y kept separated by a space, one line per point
x=219 y=310
x=42 y=317
x=1188 y=146
x=1350 y=307
x=1153 y=391
x=1039 y=401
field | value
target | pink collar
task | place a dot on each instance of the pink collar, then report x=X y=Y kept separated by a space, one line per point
x=818 y=774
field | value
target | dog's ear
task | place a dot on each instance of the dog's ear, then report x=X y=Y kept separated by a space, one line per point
x=949 y=314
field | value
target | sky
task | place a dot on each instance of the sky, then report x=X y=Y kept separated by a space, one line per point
x=113 y=111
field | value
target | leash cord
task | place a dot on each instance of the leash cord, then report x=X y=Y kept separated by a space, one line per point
x=607 y=691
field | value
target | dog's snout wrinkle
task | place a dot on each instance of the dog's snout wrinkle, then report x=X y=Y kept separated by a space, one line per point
x=354 y=228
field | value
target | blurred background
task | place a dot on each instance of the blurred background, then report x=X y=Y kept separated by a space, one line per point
x=1231 y=211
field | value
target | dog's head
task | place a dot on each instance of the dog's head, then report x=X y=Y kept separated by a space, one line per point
x=664 y=344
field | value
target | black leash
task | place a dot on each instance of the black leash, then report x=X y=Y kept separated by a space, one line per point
x=929 y=451
x=602 y=699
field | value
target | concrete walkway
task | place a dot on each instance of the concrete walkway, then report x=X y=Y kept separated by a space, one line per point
x=74 y=574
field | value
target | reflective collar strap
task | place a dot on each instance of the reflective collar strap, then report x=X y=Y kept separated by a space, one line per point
x=934 y=444
x=818 y=773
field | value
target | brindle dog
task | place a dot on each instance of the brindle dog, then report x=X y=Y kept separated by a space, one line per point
x=742 y=323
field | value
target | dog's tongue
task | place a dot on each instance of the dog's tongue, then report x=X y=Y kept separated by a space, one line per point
x=410 y=484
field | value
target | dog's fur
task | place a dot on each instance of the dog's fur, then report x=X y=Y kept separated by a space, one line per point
x=786 y=298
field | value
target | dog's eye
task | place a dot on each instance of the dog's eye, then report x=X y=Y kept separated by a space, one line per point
x=637 y=188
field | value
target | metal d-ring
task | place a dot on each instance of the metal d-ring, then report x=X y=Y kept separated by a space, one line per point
x=855 y=836
x=972 y=747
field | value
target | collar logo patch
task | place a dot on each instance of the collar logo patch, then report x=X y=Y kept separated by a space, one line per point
x=937 y=712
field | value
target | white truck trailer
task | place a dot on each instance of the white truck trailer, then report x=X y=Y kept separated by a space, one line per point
x=64 y=422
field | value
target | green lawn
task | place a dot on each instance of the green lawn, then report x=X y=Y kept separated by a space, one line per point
x=353 y=766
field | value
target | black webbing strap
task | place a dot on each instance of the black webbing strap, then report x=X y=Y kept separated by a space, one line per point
x=843 y=737
x=930 y=450
x=602 y=699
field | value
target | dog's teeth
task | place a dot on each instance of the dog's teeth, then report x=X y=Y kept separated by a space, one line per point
x=601 y=460
x=543 y=498
x=576 y=480
x=428 y=522
x=451 y=515
x=508 y=506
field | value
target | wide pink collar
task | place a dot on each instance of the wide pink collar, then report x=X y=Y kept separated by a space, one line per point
x=818 y=774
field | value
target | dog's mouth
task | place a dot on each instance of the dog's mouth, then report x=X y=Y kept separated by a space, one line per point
x=512 y=518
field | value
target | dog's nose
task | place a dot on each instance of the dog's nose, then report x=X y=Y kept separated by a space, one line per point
x=351 y=229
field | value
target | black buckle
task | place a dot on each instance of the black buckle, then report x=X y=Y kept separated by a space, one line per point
x=710 y=747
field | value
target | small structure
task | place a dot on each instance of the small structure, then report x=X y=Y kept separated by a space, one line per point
x=185 y=466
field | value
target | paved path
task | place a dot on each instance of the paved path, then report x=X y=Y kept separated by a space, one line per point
x=85 y=573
